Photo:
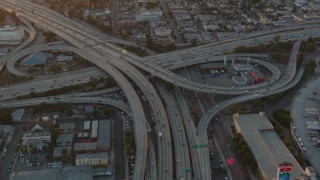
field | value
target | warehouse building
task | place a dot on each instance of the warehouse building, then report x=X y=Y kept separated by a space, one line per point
x=92 y=159
x=17 y=115
x=94 y=129
x=11 y=35
x=239 y=80
x=104 y=137
x=257 y=76
x=211 y=66
x=85 y=147
x=243 y=67
x=65 y=128
x=249 y=79
x=267 y=148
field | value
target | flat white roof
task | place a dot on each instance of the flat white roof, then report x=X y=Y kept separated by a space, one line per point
x=266 y=146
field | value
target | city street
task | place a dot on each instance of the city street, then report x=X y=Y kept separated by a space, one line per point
x=9 y=157
x=118 y=148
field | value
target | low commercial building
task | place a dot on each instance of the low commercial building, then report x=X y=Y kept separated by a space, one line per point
x=267 y=148
x=85 y=147
x=257 y=76
x=249 y=79
x=104 y=136
x=163 y=31
x=57 y=152
x=17 y=115
x=37 y=58
x=11 y=35
x=65 y=128
x=64 y=140
x=92 y=159
x=239 y=80
x=37 y=138
x=243 y=67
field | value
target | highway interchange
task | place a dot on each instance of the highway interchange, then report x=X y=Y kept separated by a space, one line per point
x=112 y=60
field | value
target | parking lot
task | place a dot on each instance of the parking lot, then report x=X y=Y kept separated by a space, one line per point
x=33 y=161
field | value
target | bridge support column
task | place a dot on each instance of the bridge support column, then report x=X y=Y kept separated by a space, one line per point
x=225 y=58
x=233 y=61
x=248 y=60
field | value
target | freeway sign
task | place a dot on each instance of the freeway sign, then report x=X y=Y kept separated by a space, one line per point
x=203 y=145
x=188 y=170
x=199 y=146
x=195 y=146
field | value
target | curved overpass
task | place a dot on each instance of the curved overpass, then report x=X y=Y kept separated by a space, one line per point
x=155 y=70
x=67 y=99
x=272 y=68
x=87 y=43
x=285 y=83
x=32 y=35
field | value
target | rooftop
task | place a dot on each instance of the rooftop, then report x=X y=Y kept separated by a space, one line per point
x=47 y=174
x=63 y=139
x=57 y=151
x=104 y=137
x=17 y=114
x=66 y=127
x=85 y=146
x=37 y=134
x=92 y=156
x=266 y=146
x=36 y=58
x=11 y=34
x=66 y=173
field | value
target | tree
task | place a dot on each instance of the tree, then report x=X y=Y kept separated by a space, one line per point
x=194 y=42
x=48 y=36
x=108 y=111
x=276 y=38
x=2 y=16
x=32 y=70
x=64 y=152
x=55 y=68
x=169 y=86
x=5 y=118
x=14 y=17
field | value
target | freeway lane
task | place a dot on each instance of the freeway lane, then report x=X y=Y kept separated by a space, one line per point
x=283 y=84
x=153 y=69
x=32 y=34
x=178 y=80
x=46 y=83
x=199 y=171
x=86 y=44
x=92 y=41
x=272 y=68
x=178 y=130
x=67 y=99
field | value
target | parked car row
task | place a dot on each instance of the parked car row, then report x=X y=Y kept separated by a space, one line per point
x=211 y=150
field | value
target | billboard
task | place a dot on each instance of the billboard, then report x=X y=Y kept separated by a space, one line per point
x=284 y=171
